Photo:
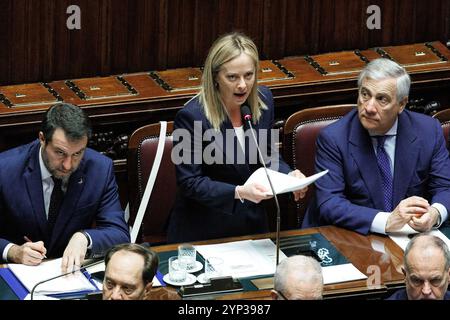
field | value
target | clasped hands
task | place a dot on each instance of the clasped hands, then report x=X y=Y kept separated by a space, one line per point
x=414 y=211
x=255 y=192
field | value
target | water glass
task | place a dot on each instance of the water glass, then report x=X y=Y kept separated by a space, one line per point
x=177 y=270
x=188 y=254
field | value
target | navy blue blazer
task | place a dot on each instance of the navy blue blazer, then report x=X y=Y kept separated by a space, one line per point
x=91 y=196
x=402 y=295
x=350 y=194
x=205 y=207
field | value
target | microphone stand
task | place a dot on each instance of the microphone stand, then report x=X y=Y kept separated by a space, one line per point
x=62 y=275
x=277 y=240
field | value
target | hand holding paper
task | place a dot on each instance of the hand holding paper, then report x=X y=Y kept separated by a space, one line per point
x=282 y=183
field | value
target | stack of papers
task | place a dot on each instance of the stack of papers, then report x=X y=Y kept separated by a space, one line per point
x=29 y=276
x=252 y=258
x=242 y=259
x=282 y=182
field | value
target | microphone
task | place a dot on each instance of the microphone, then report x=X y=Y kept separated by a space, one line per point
x=247 y=117
x=62 y=275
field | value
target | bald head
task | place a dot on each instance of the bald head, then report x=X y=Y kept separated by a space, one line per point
x=299 y=278
x=426 y=269
x=427 y=246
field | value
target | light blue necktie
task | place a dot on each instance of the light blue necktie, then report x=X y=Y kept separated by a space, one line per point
x=385 y=172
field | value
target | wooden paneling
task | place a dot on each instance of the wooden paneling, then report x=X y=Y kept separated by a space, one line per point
x=123 y=36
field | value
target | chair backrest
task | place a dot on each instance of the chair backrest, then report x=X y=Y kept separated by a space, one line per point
x=142 y=148
x=444 y=118
x=299 y=148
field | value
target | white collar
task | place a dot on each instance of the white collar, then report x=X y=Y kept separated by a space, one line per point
x=391 y=132
x=45 y=174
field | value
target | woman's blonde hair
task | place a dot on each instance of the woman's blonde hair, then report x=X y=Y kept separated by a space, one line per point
x=223 y=50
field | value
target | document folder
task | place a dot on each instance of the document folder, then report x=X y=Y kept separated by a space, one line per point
x=14 y=284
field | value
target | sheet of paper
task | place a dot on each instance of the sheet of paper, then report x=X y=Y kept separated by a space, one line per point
x=341 y=273
x=31 y=275
x=243 y=259
x=282 y=182
x=402 y=240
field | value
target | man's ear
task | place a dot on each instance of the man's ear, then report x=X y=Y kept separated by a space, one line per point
x=402 y=104
x=404 y=270
x=148 y=288
x=274 y=295
x=41 y=138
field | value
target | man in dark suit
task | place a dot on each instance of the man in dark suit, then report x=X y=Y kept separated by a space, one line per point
x=53 y=190
x=388 y=167
x=426 y=269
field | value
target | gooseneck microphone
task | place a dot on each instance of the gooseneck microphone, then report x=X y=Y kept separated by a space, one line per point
x=62 y=275
x=247 y=117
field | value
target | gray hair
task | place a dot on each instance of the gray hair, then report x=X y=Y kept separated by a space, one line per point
x=427 y=241
x=302 y=268
x=383 y=68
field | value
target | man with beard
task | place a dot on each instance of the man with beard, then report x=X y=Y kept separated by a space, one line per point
x=53 y=190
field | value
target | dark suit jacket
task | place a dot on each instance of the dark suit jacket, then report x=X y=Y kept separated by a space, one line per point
x=402 y=295
x=205 y=207
x=91 y=196
x=350 y=194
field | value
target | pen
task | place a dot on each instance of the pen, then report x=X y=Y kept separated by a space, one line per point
x=29 y=240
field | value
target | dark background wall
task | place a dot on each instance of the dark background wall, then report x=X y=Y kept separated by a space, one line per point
x=123 y=36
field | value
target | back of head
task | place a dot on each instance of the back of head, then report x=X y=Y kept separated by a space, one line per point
x=299 y=278
x=68 y=117
x=223 y=50
x=383 y=68
x=151 y=259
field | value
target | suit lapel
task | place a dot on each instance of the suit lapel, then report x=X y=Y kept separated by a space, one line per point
x=74 y=190
x=361 y=149
x=406 y=156
x=33 y=181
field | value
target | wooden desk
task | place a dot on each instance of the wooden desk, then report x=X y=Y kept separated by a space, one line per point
x=358 y=249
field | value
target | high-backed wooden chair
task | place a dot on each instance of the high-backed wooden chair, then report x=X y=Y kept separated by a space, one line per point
x=142 y=148
x=299 y=148
x=444 y=118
